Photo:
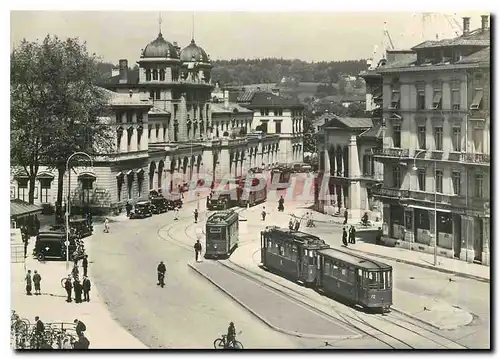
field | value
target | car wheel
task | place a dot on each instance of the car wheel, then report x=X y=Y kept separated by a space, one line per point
x=41 y=257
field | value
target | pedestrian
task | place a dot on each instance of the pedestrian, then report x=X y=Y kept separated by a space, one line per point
x=39 y=333
x=196 y=216
x=297 y=224
x=37 y=278
x=80 y=327
x=74 y=272
x=82 y=343
x=353 y=235
x=290 y=224
x=176 y=213
x=161 y=269
x=344 y=237
x=86 y=289
x=197 y=249
x=28 y=282
x=345 y=217
x=263 y=213
x=281 y=206
x=128 y=208
x=106 y=225
x=68 y=286
x=378 y=238
x=85 y=265
x=77 y=287
x=25 y=242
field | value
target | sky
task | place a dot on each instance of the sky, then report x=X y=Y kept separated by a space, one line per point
x=308 y=36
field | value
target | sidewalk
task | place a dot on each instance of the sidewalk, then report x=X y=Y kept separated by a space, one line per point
x=102 y=331
x=416 y=258
x=439 y=315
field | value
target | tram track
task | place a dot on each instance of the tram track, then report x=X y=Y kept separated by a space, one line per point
x=372 y=330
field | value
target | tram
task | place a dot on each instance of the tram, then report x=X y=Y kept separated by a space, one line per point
x=340 y=274
x=237 y=192
x=222 y=233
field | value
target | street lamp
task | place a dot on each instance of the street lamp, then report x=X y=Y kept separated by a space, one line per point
x=435 y=200
x=68 y=204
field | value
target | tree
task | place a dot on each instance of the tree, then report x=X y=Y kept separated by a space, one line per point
x=309 y=132
x=56 y=106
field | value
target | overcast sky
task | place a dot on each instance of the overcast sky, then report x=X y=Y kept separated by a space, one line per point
x=326 y=36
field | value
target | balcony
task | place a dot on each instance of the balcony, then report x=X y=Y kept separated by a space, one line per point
x=455 y=156
x=429 y=197
x=436 y=154
x=391 y=152
x=473 y=203
x=476 y=158
x=377 y=177
x=390 y=192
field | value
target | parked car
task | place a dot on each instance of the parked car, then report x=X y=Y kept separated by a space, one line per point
x=142 y=209
x=159 y=204
x=51 y=244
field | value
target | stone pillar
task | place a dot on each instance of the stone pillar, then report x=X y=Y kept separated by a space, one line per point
x=340 y=160
x=133 y=141
x=342 y=198
x=160 y=134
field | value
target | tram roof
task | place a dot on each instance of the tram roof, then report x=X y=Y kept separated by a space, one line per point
x=354 y=259
x=302 y=237
x=221 y=216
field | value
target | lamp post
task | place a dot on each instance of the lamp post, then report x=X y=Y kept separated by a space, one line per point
x=68 y=204
x=435 y=200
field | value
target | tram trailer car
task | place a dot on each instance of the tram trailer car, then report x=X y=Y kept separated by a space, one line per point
x=307 y=259
x=291 y=253
x=222 y=233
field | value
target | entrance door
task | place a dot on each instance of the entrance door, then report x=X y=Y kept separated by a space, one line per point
x=478 y=240
x=457 y=235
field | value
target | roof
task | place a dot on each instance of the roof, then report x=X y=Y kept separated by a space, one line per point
x=19 y=208
x=344 y=98
x=483 y=55
x=160 y=48
x=221 y=216
x=331 y=120
x=476 y=37
x=374 y=132
x=193 y=52
x=267 y=99
x=409 y=60
x=124 y=99
x=231 y=108
x=354 y=259
x=158 y=111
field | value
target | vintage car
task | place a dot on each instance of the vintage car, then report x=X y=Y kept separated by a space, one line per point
x=159 y=204
x=141 y=209
x=82 y=226
x=174 y=200
x=50 y=244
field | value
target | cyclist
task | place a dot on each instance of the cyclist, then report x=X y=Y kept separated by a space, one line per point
x=231 y=335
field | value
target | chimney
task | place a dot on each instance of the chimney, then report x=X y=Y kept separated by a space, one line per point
x=466 y=25
x=484 y=23
x=123 y=68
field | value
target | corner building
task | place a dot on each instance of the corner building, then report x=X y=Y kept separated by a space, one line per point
x=436 y=146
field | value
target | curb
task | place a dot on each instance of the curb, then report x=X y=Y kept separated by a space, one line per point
x=435 y=326
x=267 y=322
x=426 y=266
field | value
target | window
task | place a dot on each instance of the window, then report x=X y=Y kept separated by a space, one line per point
x=176 y=132
x=421 y=179
x=44 y=189
x=152 y=94
x=140 y=181
x=130 y=131
x=139 y=136
x=86 y=189
x=130 y=116
x=263 y=126
x=455 y=99
x=438 y=138
x=155 y=74
x=119 y=116
x=266 y=111
x=262 y=112
x=396 y=136
x=157 y=126
x=22 y=188
x=439 y=181
x=477 y=101
x=278 y=126
x=395 y=98
x=478 y=140
x=420 y=100
x=162 y=74
x=368 y=165
x=436 y=99
x=281 y=250
x=280 y=112
x=148 y=75
x=275 y=112
x=478 y=186
x=456 y=139
x=158 y=94
x=130 y=184
x=422 y=137
x=456 y=183
x=396 y=177
x=150 y=127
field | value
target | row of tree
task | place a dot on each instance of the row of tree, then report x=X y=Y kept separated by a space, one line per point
x=55 y=107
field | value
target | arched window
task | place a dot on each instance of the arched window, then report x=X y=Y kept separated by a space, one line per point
x=162 y=74
x=155 y=74
x=148 y=75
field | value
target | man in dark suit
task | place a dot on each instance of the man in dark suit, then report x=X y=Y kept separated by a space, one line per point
x=86 y=289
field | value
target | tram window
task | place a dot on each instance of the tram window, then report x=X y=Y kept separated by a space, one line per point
x=343 y=271
x=326 y=269
x=389 y=279
x=351 y=274
x=305 y=252
x=282 y=250
x=269 y=244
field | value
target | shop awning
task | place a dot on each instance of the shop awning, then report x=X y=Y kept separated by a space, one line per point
x=19 y=208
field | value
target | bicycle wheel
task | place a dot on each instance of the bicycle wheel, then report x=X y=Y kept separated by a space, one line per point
x=63 y=282
x=218 y=343
x=237 y=345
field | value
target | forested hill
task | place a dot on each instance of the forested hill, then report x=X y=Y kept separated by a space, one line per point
x=272 y=70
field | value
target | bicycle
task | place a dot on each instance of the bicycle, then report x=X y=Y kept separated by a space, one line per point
x=220 y=343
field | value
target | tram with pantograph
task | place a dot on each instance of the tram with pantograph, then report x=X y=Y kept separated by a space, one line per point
x=339 y=274
x=221 y=234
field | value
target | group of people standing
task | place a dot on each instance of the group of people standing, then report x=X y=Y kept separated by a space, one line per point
x=349 y=237
x=79 y=287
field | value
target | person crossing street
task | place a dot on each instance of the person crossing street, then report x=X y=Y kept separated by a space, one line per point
x=161 y=269
x=197 y=249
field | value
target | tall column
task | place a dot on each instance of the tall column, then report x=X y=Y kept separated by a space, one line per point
x=354 y=185
x=342 y=198
x=160 y=134
x=340 y=160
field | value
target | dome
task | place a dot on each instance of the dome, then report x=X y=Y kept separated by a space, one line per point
x=193 y=51
x=159 y=48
